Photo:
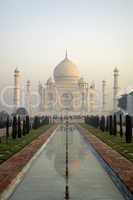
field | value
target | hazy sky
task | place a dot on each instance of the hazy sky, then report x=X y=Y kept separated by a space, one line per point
x=97 y=33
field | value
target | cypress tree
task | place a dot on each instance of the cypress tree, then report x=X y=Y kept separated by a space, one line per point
x=128 y=132
x=97 y=121
x=115 y=125
x=7 y=128
x=36 y=122
x=110 y=124
x=102 y=123
x=47 y=120
x=121 y=126
x=85 y=120
x=27 y=124
x=24 y=127
x=14 y=128
x=107 y=123
x=19 y=128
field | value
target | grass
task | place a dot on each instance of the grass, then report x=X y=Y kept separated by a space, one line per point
x=7 y=149
x=115 y=142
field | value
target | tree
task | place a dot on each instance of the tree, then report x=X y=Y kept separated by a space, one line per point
x=110 y=124
x=19 y=128
x=36 y=122
x=14 y=128
x=107 y=123
x=46 y=120
x=102 y=123
x=97 y=121
x=27 y=124
x=115 y=125
x=7 y=128
x=128 y=132
x=121 y=126
x=24 y=127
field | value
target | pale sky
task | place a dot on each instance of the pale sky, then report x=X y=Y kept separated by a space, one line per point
x=98 y=34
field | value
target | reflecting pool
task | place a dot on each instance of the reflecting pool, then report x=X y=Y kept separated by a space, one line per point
x=46 y=178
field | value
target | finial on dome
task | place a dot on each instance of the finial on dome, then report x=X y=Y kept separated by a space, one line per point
x=66 y=54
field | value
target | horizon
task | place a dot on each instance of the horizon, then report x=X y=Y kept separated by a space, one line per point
x=35 y=34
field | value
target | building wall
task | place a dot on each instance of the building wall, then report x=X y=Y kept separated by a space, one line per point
x=72 y=98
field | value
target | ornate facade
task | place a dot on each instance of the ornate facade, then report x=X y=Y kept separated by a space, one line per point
x=67 y=92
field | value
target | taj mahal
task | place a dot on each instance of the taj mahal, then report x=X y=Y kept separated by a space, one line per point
x=67 y=92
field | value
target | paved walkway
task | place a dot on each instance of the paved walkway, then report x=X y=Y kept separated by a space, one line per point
x=46 y=178
x=13 y=166
x=120 y=165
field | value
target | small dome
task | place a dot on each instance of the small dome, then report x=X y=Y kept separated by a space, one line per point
x=66 y=70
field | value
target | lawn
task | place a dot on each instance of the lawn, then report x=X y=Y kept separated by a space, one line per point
x=113 y=141
x=7 y=149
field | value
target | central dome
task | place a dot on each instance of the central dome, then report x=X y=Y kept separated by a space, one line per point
x=66 y=70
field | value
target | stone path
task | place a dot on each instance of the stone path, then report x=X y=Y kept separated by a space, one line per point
x=121 y=166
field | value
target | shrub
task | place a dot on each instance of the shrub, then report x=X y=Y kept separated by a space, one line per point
x=27 y=124
x=114 y=125
x=14 y=128
x=102 y=123
x=19 y=128
x=107 y=123
x=24 y=127
x=110 y=124
x=121 y=126
x=128 y=133
x=7 y=127
x=36 y=122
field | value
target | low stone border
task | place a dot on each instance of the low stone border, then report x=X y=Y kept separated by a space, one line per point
x=120 y=165
x=11 y=168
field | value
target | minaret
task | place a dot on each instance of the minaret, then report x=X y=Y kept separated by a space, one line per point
x=66 y=56
x=40 y=91
x=29 y=106
x=16 y=89
x=103 y=95
x=116 y=87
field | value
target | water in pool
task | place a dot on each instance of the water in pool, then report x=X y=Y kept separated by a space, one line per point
x=45 y=180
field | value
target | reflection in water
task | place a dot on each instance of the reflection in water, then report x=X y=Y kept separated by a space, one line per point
x=46 y=178
x=76 y=155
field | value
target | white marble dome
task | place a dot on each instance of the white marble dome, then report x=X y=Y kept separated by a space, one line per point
x=66 y=70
